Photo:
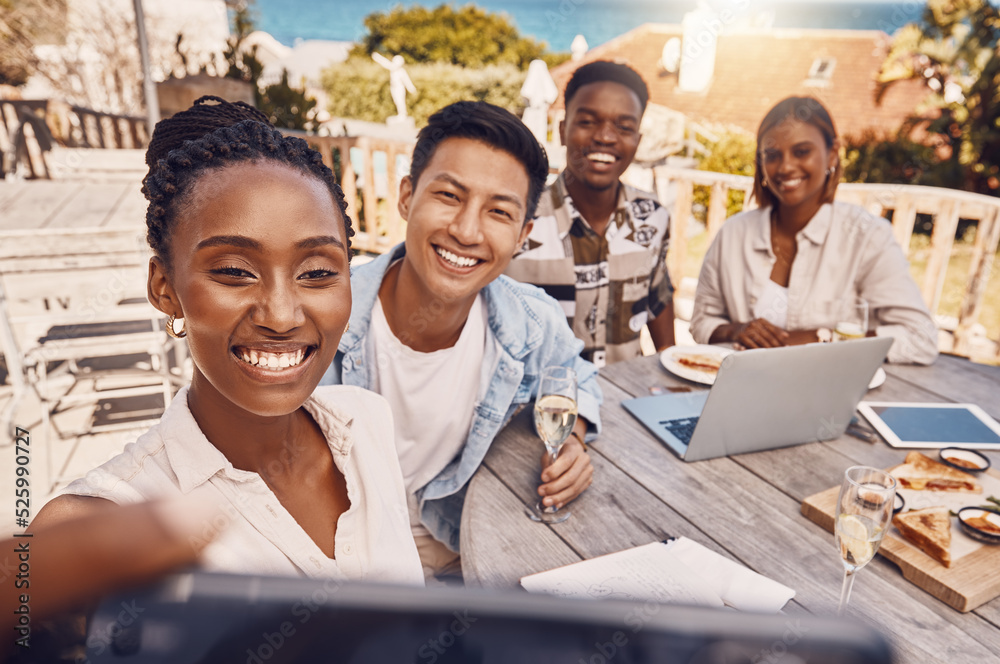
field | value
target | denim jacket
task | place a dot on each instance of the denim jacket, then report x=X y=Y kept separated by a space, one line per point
x=529 y=333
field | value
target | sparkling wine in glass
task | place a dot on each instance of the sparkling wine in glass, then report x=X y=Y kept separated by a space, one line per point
x=864 y=509
x=853 y=320
x=555 y=415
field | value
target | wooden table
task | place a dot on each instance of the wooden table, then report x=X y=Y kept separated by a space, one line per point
x=745 y=507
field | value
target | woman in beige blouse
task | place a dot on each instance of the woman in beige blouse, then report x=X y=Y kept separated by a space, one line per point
x=251 y=244
x=788 y=272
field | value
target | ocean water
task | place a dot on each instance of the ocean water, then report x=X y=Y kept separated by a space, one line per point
x=556 y=22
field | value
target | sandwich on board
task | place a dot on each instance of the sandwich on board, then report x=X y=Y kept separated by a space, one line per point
x=920 y=472
x=929 y=529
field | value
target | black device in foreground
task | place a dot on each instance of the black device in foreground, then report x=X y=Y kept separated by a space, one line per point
x=217 y=619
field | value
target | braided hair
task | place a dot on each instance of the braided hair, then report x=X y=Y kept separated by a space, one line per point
x=210 y=135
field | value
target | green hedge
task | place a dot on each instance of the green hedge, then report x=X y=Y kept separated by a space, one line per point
x=359 y=89
x=733 y=152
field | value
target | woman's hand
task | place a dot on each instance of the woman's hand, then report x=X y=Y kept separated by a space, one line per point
x=80 y=549
x=759 y=333
x=568 y=476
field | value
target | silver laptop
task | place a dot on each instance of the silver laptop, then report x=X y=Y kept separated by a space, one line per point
x=767 y=398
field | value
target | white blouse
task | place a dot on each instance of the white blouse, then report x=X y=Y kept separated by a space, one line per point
x=373 y=541
x=772 y=305
x=843 y=252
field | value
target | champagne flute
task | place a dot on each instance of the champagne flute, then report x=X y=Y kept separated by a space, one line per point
x=864 y=509
x=555 y=415
x=853 y=321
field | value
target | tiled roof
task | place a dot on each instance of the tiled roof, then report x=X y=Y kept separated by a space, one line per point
x=756 y=68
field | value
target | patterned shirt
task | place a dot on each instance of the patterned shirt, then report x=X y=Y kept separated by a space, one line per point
x=609 y=285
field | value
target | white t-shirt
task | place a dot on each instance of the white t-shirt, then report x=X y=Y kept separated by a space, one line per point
x=432 y=396
x=772 y=305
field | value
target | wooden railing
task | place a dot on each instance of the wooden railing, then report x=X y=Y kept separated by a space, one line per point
x=377 y=223
x=38 y=123
x=92 y=129
x=372 y=208
x=76 y=126
x=904 y=202
x=28 y=150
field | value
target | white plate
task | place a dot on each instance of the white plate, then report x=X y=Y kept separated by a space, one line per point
x=877 y=379
x=668 y=359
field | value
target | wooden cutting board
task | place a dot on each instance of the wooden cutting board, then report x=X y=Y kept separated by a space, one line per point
x=971 y=581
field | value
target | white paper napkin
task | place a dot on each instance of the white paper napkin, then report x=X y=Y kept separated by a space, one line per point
x=679 y=571
x=739 y=587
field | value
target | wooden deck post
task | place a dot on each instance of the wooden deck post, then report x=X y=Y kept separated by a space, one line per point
x=983 y=254
x=942 y=240
x=368 y=194
x=718 y=208
x=393 y=220
x=348 y=182
x=678 y=230
x=903 y=218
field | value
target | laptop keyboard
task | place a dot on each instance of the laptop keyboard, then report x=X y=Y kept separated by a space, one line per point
x=682 y=429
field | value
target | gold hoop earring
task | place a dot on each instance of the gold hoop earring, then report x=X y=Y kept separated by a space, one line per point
x=170 y=328
x=346 y=329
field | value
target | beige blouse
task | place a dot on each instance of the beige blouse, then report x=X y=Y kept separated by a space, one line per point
x=373 y=540
x=844 y=252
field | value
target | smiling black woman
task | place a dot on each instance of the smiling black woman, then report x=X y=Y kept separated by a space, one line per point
x=792 y=269
x=251 y=246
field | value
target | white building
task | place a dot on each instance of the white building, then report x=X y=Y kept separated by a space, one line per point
x=97 y=63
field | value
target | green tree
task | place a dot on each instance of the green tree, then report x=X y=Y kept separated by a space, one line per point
x=467 y=36
x=732 y=152
x=872 y=157
x=286 y=106
x=359 y=89
x=243 y=63
x=954 y=53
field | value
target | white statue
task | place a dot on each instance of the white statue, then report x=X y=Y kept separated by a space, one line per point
x=399 y=81
x=540 y=91
x=579 y=47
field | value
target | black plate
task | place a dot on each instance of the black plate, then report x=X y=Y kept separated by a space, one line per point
x=976 y=533
x=981 y=457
